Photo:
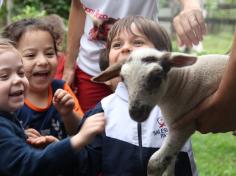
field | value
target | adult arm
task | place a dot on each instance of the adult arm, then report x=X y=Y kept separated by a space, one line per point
x=217 y=113
x=189 y=23
x=75 y=31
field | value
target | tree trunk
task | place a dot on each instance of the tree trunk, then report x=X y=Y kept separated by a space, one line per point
x=9 y=4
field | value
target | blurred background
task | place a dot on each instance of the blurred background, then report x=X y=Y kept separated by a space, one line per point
x=215 y=153
x=219 y=14
x=220 y=18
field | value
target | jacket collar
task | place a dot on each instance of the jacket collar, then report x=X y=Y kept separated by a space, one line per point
x=121 y=91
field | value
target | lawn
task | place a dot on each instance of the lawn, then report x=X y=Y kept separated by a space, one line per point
x=215 y=154
x=217 y=43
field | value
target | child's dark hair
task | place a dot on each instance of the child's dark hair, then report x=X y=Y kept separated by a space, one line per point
x=15 y=30
x=58 y=27
x=151 y=29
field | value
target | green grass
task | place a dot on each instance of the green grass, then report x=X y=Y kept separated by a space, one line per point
x=214 y=43
x=215 y=154
x=217 y=43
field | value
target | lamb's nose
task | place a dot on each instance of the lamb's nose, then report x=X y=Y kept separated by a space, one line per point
x=139 y=113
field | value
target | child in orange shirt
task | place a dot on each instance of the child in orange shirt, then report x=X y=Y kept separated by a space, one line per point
x=36 y=42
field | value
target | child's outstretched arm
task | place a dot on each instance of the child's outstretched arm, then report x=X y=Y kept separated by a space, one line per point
x=64 y=103
x=59 y=158
x=91 y=127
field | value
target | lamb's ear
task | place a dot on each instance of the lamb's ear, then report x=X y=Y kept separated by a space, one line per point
x=181 y=60
x=111 y=72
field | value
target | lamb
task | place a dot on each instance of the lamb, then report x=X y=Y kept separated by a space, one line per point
x=175 y=82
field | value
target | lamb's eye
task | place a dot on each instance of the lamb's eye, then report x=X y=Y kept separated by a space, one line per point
x=154 y=80
x=149 y=59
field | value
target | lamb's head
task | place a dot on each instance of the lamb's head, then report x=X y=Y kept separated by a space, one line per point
x=144 y=74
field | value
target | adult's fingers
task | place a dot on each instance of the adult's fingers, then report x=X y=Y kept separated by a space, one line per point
x=190 y=26
x=179 y=28
x=195 y=29
x=201 y=22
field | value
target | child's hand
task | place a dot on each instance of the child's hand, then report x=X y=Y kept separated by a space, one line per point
x=35 y=139
x=32 y=133
x=92 y=126
x=41 y=141
x=63 y=102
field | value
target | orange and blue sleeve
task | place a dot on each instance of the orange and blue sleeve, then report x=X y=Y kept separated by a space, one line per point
x=77 y=107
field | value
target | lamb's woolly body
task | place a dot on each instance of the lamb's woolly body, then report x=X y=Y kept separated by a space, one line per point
x=185 y=87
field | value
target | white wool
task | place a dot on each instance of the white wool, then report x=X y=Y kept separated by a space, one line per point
x=187 y=86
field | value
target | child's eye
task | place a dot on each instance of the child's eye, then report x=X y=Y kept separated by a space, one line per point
x=116 y=45
x=138 y=42
x=50 y=54
x=29 y=56
x=4 y=77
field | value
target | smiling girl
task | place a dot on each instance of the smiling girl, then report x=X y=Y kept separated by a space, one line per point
x=36 y=42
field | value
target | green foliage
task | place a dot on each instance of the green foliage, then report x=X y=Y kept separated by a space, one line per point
x=215 y=12
x=33 y=8
x=215 y=154
x=164 y=3
x=29 y=12
x=60 y=7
